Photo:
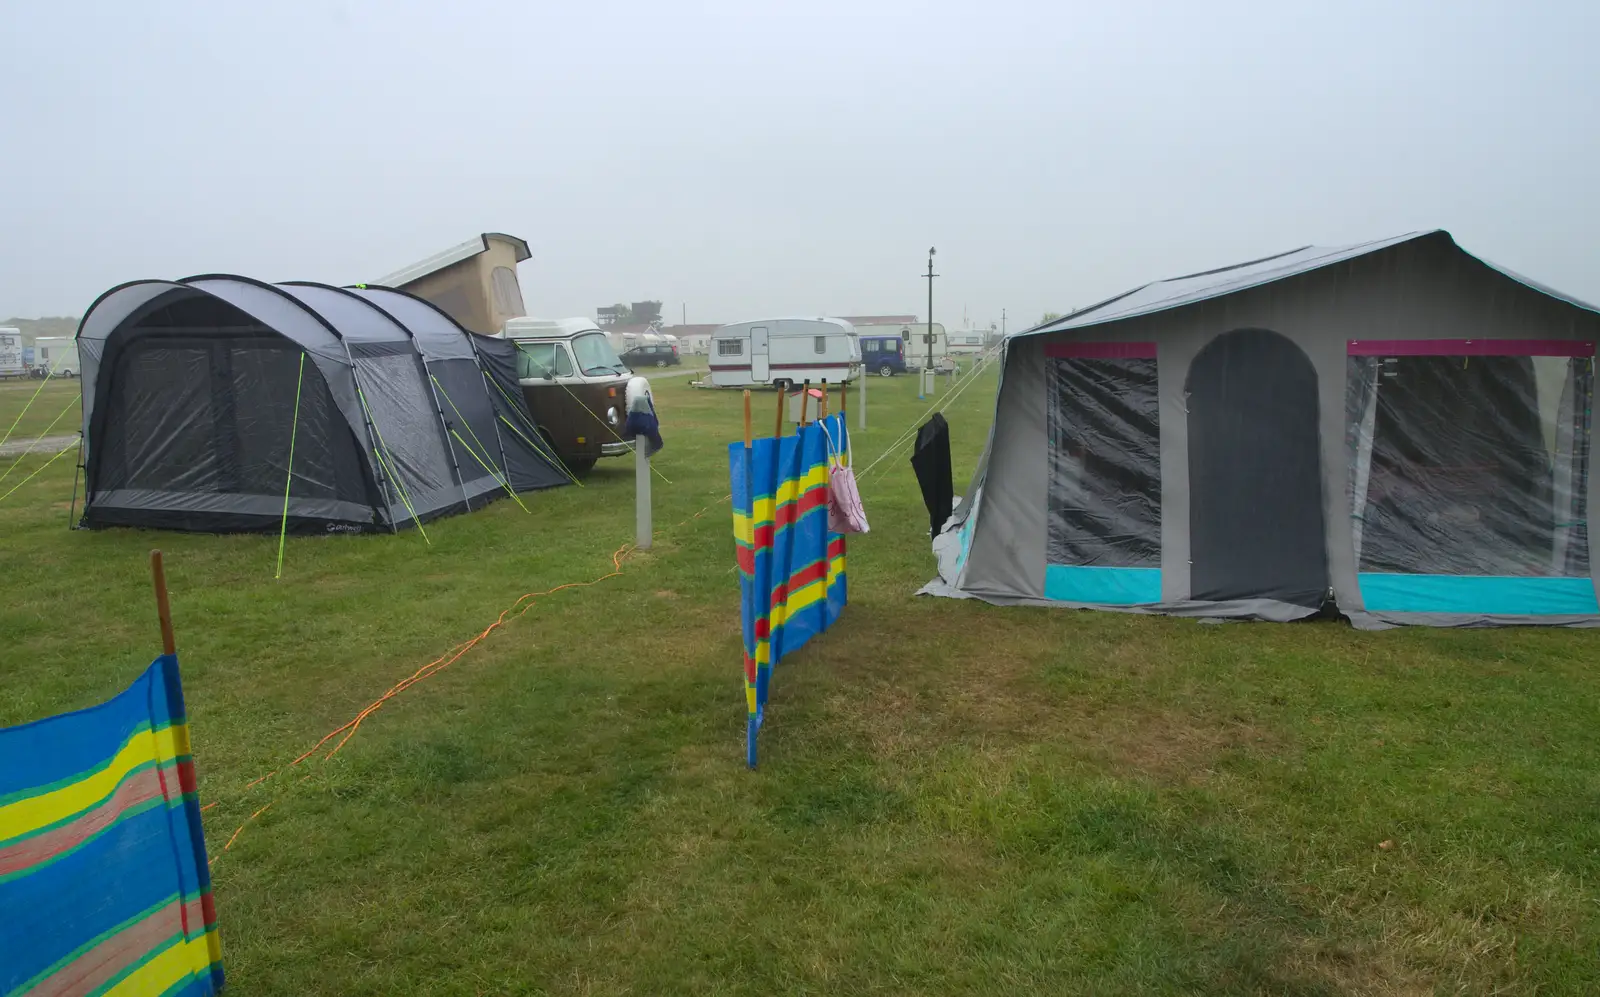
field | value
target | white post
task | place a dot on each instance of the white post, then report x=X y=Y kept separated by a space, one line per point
x=641 y=464
x=863 y=405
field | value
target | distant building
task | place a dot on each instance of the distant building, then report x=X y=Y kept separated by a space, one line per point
x=475 y=282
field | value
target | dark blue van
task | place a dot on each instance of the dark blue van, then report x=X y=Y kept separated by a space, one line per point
x=884 y=355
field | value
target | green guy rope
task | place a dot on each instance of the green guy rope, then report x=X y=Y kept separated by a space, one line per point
x=538 y=450
x=40 y=439
x=470 y=430
x=36 y=470
x=17 y=421
x=288 y=477
x=492 y=473
x=388 y=467
x=545 y=450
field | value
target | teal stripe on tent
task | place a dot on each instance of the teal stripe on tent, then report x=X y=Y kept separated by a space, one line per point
x=1107 y=586
x=1486 y=595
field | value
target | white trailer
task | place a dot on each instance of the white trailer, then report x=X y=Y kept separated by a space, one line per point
x=57 y=354
x=966 y=342
x=11 y=353
x=784 y=350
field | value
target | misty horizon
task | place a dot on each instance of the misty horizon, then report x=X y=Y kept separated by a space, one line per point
x=739 y=163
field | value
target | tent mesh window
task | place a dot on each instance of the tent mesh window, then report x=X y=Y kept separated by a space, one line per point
x=1105 y=463
x=405 y=422
x=1470 y=466
x=215 y=416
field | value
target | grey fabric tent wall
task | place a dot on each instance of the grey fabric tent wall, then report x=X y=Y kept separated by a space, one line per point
x=1321 y=304
x=475 y=377
x=190 y=392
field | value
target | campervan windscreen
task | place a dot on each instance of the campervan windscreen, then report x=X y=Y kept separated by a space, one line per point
x=595 y=355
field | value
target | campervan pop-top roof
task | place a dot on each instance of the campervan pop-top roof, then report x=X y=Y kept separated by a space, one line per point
x=548 y=328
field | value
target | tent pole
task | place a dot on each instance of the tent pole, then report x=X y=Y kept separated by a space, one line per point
x=288 y=473
x=746 y=459
x=372 y=443
x=73 y=507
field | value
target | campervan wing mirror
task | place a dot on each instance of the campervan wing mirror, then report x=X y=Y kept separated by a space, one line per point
x=549 y=375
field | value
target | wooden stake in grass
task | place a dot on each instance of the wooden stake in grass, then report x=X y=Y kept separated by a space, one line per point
x=747 y=436
x=805 y=398
x=822 y=403
x=158 y=577
x=783 y=396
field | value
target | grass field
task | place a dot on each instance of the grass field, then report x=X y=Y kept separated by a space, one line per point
x=42 y=405
x=954 y=798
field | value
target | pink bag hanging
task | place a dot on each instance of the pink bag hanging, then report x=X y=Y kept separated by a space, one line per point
x=845 y=513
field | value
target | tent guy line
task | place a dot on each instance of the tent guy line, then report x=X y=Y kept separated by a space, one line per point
x=513 y=612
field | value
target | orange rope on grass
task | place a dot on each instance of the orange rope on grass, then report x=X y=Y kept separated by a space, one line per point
x=439 y=664
x=450 y=657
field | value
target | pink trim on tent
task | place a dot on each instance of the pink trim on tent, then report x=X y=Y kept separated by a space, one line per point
x=1471 y=348
x=1101 y=351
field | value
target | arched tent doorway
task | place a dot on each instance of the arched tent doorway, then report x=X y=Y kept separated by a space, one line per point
x=1255 y=479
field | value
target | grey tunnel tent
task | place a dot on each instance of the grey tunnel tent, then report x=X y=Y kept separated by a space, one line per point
x=194 y=392
x=1398 y=427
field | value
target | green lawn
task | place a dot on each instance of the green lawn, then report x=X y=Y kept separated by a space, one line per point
x=42 y=405
x=954 y=798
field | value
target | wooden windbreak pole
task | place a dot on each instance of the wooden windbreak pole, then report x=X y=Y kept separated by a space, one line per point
x=822 y=403
x=805 y=399
x=748 y=440
x=783 y=396
x=158 y=576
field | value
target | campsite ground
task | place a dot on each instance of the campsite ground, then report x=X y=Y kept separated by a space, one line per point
x=954 y=798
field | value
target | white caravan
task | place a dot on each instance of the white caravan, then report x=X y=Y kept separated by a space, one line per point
x=58 y=354
x=966 y=341
x=784 y=351
x=11 y=353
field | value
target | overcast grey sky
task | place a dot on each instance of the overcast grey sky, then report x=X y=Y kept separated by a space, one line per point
x=748 y=158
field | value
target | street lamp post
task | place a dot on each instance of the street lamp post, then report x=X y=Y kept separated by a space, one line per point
x=926 y=384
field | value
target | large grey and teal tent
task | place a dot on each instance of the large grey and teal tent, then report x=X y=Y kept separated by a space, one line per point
x=196 y=391
x=1397 y=429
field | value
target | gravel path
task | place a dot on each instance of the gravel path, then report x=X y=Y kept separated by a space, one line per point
x=49 y=446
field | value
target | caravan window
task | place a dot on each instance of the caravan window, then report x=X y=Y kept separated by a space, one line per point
x=730 y=348
x=820 y=344
x=534 y=360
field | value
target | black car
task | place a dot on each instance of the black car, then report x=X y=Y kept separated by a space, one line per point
x=653 y=355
